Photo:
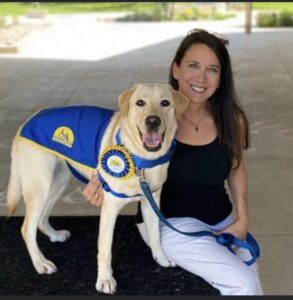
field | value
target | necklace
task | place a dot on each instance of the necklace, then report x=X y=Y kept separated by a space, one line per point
x=197 y=123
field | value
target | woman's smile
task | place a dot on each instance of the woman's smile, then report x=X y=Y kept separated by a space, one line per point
x=198 y=89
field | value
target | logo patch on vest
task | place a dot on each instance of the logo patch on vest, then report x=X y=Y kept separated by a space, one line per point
x=64 y=135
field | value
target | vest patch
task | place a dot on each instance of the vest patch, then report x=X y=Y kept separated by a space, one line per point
x=64 y=135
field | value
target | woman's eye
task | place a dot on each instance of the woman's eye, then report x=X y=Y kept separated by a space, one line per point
x=165 y=102
x=193 y=66
x=140 y=103
x=213 y=70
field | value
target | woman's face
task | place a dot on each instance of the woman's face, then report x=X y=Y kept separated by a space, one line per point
x=198 y=74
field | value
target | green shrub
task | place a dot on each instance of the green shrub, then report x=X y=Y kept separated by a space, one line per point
x=285 y=18
x=193 y=13
x=157 y=12
x=274 y=19
x=267 y=19
x=189 y=14
x=221 y=16
x=2 y=22
x=140 y=17
x=186 y=14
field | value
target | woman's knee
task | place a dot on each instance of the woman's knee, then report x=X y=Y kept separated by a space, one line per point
x=237 y=280
x=245 y=282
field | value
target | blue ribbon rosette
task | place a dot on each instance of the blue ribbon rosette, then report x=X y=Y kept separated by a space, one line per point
x=117 y=162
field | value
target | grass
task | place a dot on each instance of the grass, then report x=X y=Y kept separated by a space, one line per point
x=22 y=8
x=273 y=6
x=12 y=9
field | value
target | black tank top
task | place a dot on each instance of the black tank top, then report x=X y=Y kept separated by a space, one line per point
x=195 y=183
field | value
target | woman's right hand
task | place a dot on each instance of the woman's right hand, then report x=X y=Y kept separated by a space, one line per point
x=93 y=191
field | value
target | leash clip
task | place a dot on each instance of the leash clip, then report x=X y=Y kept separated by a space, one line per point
x=142 y=177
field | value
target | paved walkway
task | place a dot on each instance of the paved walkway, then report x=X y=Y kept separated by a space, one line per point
x=78 y=60
x=86 y=39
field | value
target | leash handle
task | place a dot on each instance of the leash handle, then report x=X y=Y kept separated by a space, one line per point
x=225 y=239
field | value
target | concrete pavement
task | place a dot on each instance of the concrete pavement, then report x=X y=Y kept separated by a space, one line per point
x=77 y=60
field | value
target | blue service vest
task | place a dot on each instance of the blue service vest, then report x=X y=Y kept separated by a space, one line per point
x=74 y=132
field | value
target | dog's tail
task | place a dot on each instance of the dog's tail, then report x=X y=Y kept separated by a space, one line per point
x=14 y=190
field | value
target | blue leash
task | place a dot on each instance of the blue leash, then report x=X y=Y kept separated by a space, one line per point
x=225 y=239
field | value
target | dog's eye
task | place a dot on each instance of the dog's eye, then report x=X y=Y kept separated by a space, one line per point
x=165 y=102
x=140 y=103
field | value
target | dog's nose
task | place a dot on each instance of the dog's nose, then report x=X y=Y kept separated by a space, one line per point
x=152 y=122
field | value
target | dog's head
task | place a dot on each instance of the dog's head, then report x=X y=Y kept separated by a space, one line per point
x=149 y=114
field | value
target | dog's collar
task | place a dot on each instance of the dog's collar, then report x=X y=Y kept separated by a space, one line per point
x=107 y=188
x=142 y=163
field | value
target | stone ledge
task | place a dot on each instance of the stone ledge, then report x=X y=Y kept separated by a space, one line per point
x=9 y=49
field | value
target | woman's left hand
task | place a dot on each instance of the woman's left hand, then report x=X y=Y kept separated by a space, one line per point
x=93 y=191
x=237 y=228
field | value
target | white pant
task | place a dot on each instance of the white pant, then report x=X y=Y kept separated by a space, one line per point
x=205 y=257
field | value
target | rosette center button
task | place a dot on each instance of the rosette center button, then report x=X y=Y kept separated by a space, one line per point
x=116 y=164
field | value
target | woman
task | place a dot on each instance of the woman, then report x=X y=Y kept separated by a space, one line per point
x=212 y=133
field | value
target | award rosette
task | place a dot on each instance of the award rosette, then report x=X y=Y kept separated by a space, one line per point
x=118 y=162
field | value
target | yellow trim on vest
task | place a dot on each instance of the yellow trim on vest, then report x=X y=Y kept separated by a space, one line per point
x=53 y=152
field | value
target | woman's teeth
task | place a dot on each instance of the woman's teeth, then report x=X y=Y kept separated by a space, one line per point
x=198 y=89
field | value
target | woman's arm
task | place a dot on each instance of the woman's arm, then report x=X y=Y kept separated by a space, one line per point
x=237 y=182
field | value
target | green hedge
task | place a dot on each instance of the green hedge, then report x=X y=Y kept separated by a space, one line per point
x=275 y=19
x=285 y=18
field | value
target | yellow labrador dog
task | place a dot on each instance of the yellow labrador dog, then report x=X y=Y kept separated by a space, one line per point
x=140 y=136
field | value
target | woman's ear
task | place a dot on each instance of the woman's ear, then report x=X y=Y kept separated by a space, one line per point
x=175 y=71
x=124 y=99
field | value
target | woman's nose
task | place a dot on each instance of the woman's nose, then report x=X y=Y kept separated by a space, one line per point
x=201 y=75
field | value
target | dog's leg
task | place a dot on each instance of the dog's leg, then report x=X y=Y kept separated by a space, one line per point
x=35 y=200
x=109 y=211
x=60 y=181
x=36 y=169
x=151 y=222
x=14 y=191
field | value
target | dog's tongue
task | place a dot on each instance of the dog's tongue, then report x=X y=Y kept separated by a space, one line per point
x=152 y=139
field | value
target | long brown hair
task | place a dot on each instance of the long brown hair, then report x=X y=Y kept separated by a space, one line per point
x=230 y=119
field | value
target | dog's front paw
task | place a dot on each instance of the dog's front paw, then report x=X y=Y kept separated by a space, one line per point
x=107 y=286
x=44 y=266
x=163 y=261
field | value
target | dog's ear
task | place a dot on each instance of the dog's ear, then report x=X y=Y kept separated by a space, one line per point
x=180 y=100
x=124 y=100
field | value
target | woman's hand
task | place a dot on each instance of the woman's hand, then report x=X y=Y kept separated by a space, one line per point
x=237 y=228
x=93 y=191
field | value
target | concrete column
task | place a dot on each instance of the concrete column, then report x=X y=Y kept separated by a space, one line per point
x=248 y=13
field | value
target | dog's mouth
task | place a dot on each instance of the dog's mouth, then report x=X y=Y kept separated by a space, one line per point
x=152 y=141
